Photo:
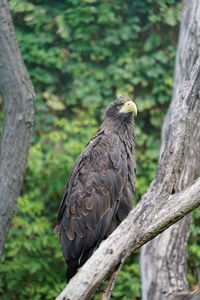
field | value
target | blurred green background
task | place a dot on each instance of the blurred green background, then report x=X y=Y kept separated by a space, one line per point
x=81 y=55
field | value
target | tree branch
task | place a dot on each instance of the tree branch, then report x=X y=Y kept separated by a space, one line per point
x=18 y=97
x=163 y=260
x=128 y=237
x=108 y=290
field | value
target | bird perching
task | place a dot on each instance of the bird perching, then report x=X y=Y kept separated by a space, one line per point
x=99 y=192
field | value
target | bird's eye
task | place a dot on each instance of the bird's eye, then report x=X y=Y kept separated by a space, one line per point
x=119 y=105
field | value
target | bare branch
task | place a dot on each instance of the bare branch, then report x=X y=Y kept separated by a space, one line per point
x=129 y=236
x=108 y=290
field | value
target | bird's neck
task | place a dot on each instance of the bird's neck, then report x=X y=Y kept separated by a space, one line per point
x=123 y=128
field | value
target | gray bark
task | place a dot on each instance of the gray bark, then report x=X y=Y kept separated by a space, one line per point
x=151 y=216
x=18 y=97
x=164 y=260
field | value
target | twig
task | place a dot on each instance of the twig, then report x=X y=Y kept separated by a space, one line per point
x=108 y=290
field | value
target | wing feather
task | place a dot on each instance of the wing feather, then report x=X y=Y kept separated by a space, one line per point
x=92 y=196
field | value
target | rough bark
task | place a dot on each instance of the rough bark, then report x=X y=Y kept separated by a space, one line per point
x=151 y=216
x=164 y=260
x=18 y=97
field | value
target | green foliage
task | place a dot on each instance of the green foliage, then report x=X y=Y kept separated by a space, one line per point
x=194 y=251
x=32 y=255
x=81 y=55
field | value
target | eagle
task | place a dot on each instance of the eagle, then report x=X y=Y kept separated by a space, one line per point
x=99 y=192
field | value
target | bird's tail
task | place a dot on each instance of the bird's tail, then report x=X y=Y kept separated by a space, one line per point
x=75 y=263
x=72 y=268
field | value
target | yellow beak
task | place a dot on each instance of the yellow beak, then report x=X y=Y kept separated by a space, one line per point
x=129 y=107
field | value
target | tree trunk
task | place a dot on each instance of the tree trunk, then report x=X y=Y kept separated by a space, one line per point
x=18 y=97
x=164 y=259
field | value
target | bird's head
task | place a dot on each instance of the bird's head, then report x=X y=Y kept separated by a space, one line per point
x=122 y=108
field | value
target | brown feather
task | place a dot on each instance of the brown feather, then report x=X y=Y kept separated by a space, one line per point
x=100 y=189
